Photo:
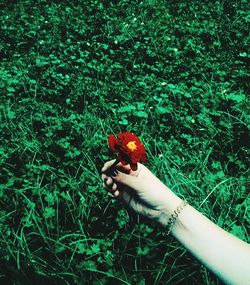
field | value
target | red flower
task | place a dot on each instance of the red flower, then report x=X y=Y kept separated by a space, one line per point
x=130 y=149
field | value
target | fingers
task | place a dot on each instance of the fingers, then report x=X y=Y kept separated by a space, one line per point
x=119 y=166
x=107 y=165
x=128 y=180
x=109 y=184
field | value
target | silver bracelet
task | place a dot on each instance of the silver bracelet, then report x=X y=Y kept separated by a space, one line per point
x=174 y=216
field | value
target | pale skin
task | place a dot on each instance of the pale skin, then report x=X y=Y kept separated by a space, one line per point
x=223 y=253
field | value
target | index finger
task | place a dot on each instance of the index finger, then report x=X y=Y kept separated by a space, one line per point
x=107 y=165
x=119 y=166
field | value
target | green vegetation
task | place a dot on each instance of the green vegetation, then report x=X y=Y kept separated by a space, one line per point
x=73 y=72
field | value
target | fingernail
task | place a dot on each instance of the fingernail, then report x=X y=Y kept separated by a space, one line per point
x=113 y=172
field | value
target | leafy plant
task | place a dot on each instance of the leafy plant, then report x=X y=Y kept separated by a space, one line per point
x=73 y=72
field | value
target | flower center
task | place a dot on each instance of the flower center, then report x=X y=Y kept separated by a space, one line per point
x=132 y=146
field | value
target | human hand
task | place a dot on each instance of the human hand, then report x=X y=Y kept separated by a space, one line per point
x=141 y=190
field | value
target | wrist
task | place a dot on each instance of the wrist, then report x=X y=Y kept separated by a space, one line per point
x=170 y=211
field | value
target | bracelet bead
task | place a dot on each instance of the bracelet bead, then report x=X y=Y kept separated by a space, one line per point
x=175 y=215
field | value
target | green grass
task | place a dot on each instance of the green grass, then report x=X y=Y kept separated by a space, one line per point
x=73 y=72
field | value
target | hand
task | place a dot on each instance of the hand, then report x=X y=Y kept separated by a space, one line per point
x=141 y=190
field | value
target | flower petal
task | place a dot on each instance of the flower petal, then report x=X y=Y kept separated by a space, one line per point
x=123 y=158
x=113 y=143
x=130 y=149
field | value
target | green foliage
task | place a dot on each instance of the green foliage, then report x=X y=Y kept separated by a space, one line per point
x=173 y=72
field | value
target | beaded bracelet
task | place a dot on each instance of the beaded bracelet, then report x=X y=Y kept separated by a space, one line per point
x=175 y=215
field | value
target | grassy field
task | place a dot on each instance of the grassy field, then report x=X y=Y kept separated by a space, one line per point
x=72 y=72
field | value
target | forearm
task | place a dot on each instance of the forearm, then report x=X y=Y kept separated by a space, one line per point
x=227 y=256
